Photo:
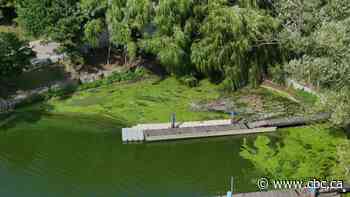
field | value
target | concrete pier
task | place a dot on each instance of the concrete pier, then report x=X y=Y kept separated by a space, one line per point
x=201 y=132
x=210 y=128
x=186 y=130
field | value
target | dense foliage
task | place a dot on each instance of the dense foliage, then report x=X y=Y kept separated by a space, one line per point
x=223 y=40
x=232 y=42
x=303 y=153
x=7 y=11
x=6 y=2
x=236 y=42
x=64 y=21
x=14 y=55
x=315 y=40
x=315 y=36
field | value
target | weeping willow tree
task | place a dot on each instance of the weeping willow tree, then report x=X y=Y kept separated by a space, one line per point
x=236 y=44
x=127 y=20
x=256 y=4
x=226 y=40
x=94 y=11
x=171 y=41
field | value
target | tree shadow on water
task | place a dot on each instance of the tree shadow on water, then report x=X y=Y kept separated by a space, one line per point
x=16 y=117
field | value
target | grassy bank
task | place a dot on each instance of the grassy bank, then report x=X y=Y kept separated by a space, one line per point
x=154 y=100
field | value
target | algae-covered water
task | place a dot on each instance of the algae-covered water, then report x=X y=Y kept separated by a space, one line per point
x=83 y=156
x=76 y=155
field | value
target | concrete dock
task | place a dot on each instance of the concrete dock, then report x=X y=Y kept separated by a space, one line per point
x=186 y=130
x=201 y=132
x=211 y=128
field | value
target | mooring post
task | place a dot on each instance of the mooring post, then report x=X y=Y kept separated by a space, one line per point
x=232 y=117
x=232 y=184
x=230 y=193
x=173 y=120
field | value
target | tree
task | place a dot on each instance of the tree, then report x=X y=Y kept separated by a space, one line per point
x=94 y=8
x=236 y=44
x=6 y=3
x=93 y=31
x=326 y=61
x=15 y=55
x=7 y=10
x=68 y=29
x=36 y=16
x=95 y=20
x=127 y=20
x=316 y=38
x=171 y=40
x=315 y=35
x=69 y=22
x=338 y=103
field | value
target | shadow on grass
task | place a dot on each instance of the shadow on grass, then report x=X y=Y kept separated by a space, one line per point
x=66 y=92
x=347 y=130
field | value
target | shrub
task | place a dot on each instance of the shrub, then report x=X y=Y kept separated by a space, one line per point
x=115 y=77
x=189 y=80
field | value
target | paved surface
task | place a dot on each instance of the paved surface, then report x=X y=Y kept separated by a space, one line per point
x=164 y=129
x=184 y=124
x=45 y=52
x=195 y=129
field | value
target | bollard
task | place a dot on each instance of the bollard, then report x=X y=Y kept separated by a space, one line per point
x=233 y=117
x=173 y=120
x=229 y=193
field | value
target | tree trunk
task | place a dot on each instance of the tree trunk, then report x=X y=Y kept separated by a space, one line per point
x=109 y=53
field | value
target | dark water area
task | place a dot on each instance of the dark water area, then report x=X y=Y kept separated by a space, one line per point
x=69 y=156
x=31 y=80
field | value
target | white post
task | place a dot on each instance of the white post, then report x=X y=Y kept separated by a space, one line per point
x=229 y=193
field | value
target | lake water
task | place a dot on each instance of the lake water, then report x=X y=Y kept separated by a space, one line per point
x=70 y=156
